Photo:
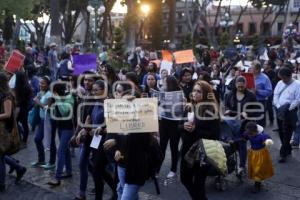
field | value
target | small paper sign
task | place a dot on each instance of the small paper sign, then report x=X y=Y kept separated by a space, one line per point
x=96 y=141
x=15 y=62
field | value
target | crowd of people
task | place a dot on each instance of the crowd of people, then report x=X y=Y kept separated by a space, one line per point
x=214 y=84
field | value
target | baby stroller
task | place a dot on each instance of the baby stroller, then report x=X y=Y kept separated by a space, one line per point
x=231 y=151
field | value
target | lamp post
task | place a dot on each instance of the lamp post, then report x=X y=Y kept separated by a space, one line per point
x=96 y=10
x=237 y=39
x=226 y=21
x=145 y=9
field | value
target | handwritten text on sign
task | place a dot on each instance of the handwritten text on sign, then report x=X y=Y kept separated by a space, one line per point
x=137 y=116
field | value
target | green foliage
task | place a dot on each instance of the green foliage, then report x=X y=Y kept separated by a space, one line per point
x=255 y=41
x=118 y=42
x=224 y=40
x=187 y=42
x=20 y=45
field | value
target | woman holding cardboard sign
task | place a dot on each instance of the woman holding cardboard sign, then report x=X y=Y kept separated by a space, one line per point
x=131 y=154
x=203 y=123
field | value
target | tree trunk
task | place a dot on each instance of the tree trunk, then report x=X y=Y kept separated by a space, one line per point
x=87 y=31
x=172 y=20
x=131 y=30
x=55 y=33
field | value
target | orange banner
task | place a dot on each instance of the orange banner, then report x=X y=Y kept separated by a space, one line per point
x=186 y=56
x=157 y=62
x=166 y=55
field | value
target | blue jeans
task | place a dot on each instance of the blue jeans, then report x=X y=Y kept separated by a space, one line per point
x=126 y=191
x=63 y=154
x=84 y=167
x=11 y=162
x=38 y=139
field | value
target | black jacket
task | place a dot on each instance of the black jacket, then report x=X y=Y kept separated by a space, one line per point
x=135 y=149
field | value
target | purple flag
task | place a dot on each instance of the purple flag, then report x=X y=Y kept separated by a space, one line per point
x=86 y=62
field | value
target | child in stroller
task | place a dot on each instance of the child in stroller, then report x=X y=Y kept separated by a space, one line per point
x=231 y=149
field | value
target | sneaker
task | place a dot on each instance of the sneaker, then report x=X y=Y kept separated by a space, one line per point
x=48 y=166
x=54 y=183
x=66 y=175
x=295 y=146
x=92 y=191
x=20 y=174
x=257 y=187
x=282 y=160
x=171 y=174
x=37 y=164
x=241 y=170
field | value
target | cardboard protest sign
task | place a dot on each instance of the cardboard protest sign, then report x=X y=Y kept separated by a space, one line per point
x=170 y=104
x=86 y=62
x=15 y=62
x=167 y=55
x=137 y=116
x=186 y=56
x=250 y=80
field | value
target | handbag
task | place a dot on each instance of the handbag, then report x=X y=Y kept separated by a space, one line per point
x=34 y=117
x=9 y=139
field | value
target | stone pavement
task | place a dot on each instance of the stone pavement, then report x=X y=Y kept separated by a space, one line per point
x=285 y=185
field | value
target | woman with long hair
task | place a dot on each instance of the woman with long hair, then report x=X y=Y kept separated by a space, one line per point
x=168 y=129
x=42 y=100
x=23 y=94
x=63 y=112
x=131 y=154
x=204 y=124
x=101 y=158
x=8 y=119
x=151 y=84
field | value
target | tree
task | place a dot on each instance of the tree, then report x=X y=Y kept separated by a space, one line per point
x=200 y=13
x=172 y=19
x=130 y=22
x=106 y=23
x=40 y=28
x=118 y=42
x=187 y=42
x=154 y=23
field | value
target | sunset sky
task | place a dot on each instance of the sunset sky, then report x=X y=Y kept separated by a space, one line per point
x=123 y=9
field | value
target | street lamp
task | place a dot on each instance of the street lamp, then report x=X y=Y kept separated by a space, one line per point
x=226 y=21
x=96 y=11
x=145 y=9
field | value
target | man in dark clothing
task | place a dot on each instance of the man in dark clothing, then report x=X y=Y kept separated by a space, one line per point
x=270 y=72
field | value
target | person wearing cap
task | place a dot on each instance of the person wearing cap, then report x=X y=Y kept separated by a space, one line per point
x=53 y=60
x=286 y=100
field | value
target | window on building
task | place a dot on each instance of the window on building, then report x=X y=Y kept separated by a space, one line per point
x=240 y=27
x=266 y=28
x=179 y=29
x=252 y=28
x=279 y=27
x=296 y=3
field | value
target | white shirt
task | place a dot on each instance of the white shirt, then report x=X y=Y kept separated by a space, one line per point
x=290 y=95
